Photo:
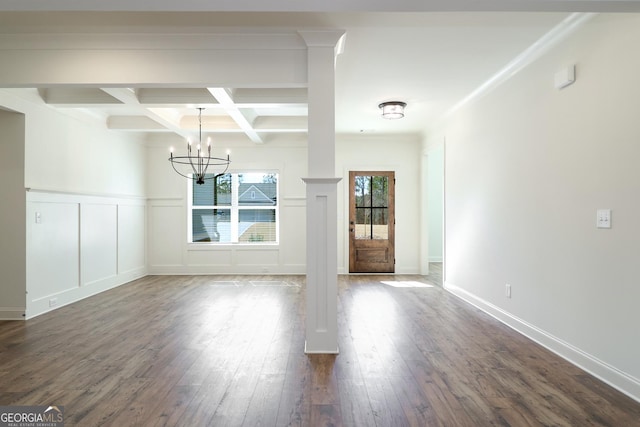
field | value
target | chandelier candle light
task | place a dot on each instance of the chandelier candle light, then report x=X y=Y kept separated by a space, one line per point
x=199 y=163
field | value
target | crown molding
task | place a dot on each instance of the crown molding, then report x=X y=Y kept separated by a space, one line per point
x=552 y=38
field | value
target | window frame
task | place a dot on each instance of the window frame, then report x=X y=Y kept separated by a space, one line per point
x=235 y=207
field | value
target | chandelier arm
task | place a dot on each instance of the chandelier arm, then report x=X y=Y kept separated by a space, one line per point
x=213 y=161
x=180 y=160
x=224 y=171
x=178 y=172
x=199 y=164
x=207 y=165
x=192 y=166
x=173 y=162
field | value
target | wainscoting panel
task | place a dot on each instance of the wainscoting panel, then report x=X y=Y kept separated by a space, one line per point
x=170 y=253
x=131 y=238
x=167 y=236
x=293 y=225
x=53 y=252
x=98 y=242
x=258 y=257
x=74 y=244
x=209 y=257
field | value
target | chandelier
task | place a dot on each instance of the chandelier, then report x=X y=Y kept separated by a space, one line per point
x=196 y=164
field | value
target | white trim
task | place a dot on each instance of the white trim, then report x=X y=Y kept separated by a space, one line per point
x=71 y=296
x=228 y=246
x=83 y=194
x=329 y=180
x=336 y=351
x=617 y=379
x=213 y=38
x=222 y=270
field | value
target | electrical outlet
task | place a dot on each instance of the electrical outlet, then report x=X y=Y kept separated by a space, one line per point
x=508 y=290
x=53 y=302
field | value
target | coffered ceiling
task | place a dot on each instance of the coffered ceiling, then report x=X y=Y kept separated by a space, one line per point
x=254 y=114
x=430 y=60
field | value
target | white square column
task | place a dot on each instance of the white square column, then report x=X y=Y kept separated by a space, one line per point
x=322 y=206
x=322 y=266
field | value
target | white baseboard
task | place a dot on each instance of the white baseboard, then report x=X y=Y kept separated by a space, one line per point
x=599 y=369
x=39 y=306
x=250 y=270
x=435 y=259
x=329 y=351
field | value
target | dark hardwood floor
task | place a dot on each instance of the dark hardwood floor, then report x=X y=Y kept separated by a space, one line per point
x=228 y=351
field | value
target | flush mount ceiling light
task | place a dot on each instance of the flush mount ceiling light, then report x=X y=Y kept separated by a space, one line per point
x=392 y=109
x=195 y=165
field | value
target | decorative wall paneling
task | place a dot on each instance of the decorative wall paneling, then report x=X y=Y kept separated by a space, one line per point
x=80 y=245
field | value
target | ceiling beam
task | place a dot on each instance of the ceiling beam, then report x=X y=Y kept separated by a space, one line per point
x=77 y=97
x=175 y=96
x=128 y=96
x=235 y=113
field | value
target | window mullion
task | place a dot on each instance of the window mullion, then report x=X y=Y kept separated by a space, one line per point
x=235 y=185
x=190 y=210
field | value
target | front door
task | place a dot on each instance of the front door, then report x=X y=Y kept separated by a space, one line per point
x=371 y=222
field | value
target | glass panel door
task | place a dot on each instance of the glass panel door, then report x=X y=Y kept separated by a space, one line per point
x=371 y=222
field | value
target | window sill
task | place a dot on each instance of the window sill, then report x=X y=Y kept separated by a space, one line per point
x=206 y=246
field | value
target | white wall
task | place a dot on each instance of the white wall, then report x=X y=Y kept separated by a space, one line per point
x=12 y=212
x=64 y=154
x=88 y=186
x=169 y=252
x=527 y=167
x=435 y=202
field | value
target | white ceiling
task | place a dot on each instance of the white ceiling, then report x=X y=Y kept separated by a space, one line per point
x=430 y=60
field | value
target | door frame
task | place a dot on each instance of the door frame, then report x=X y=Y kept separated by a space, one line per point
x=347 y=208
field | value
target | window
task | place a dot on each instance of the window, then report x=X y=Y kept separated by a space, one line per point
x=235 y=208
x=371 y=210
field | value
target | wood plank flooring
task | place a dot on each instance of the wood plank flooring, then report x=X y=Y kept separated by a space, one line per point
x=228 y=351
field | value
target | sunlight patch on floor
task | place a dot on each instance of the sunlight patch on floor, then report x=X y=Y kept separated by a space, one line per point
x=407 y=284
x=271 y=283
x=224 y=283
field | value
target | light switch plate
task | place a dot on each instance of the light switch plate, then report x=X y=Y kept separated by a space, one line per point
x=603 y=218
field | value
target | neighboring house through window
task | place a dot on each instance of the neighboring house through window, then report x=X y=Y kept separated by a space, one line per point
x=235 y=208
